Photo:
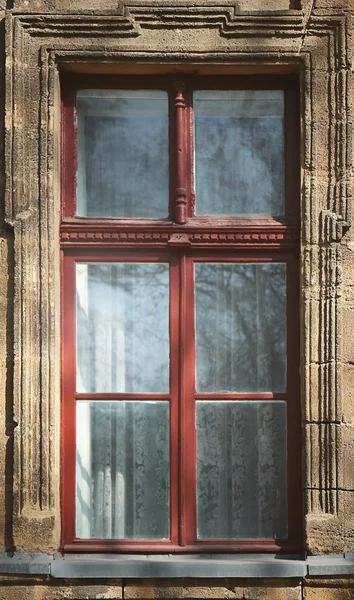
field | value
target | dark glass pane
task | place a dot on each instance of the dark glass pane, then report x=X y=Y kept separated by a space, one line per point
x=122 y=327
x=122 y=470
x=239 y=152
x=241 y=470
x=240 y=327
x=122 y=153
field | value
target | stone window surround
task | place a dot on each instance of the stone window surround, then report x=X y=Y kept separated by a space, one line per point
x=317 y=49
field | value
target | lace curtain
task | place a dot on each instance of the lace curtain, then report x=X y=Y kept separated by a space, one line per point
x=123 y=446
x=241 y=470
x=239 y=152
x=122 y=469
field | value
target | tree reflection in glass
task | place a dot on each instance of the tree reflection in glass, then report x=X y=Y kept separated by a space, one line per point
x=240 y=327
x=122 y=327
x=241 y=469
x=239 y=152
x=122 y=470
x=122 y=153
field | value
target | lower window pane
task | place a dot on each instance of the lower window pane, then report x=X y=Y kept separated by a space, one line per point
x=241 y=469
x=122 y=470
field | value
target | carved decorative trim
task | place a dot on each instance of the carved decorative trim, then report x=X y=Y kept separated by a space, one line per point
x=226 y=19
x=78 y=25
x=290 y=25
x=195 y=238
x=322 y=255
x=180 y=192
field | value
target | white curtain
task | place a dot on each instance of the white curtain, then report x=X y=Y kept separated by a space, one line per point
x=241 y=469
x=122 y=446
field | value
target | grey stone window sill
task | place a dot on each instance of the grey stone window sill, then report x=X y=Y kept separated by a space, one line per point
x=92 y=566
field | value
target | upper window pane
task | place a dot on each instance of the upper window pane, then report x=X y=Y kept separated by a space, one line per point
x=122 y=153
x=239 y=152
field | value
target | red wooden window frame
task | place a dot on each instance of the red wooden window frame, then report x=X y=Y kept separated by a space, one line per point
x=180 y=239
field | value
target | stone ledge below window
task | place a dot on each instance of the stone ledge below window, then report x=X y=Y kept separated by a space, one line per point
x=94 y=566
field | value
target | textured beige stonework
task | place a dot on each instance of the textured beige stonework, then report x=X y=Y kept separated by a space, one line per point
x=167 y=37
x=5 y=370
x=46 y=37
x=68 y=591
x=229 y=589
x=348 y=456
x=59 y=5
x=340 y=589
x=328 y=594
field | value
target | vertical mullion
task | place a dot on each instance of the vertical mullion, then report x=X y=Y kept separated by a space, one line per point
x=174 y=393
x=180 y=195
x=187 y=405
x=190 y=158
x=68 y=422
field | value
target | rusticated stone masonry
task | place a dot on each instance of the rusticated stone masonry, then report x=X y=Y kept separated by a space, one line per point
x=47 y=37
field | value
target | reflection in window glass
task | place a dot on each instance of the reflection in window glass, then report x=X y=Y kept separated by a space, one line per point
x=122 y=470
x=122 y=327
x=241 y=469
x=240 y=327
x=239 y=152
x=122 y=153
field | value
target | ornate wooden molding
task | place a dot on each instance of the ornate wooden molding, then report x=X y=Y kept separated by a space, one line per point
x=180 y=196
x=72 y=236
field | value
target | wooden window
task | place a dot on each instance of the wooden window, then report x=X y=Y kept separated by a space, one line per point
x=180 y=320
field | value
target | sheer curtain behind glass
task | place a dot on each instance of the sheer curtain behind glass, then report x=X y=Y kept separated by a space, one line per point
x=241 y=445
x=239 y=152
x=122 y=153
x=241 y=469
x=122 y=446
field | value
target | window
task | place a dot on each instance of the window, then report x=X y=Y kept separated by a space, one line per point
x=179 y=235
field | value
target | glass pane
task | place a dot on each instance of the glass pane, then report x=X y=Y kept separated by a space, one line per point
x=122 y=327
x=122 y=153
x=240 y=327
x=241 y=470
x=122 y=470
x=239 y=150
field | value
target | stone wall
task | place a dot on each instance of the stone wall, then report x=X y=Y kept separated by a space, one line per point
x=46 y=37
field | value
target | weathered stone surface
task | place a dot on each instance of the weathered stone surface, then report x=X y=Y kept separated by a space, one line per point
x=348 y=393
x=324 y=532
x=67 y=592
x=348 y=457
x=54 y=5
x=320 y=46
x=332 y=534
x=330 y=593
x=334 y=4
x=347 y=502
x=221 y=590
x=348 y=340
x=5 y=389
